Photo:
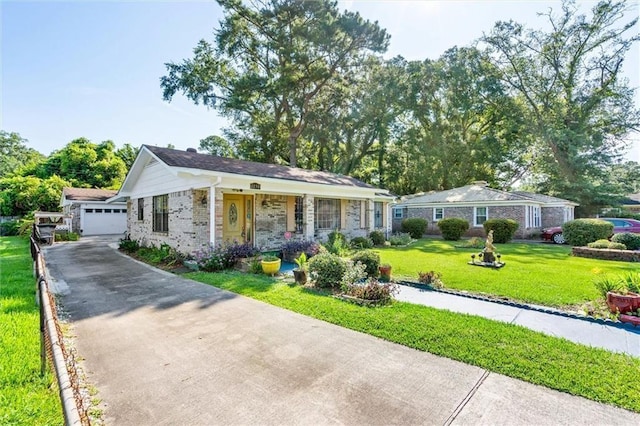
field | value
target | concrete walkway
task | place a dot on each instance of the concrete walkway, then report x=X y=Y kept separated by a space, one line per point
x=163 y=350
x=576 y=330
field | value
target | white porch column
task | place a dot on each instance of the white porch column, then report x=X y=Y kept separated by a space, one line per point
x=309 y=217
x=371 y=216
x=212 y=214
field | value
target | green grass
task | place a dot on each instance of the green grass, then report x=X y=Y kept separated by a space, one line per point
x=25 y=396
x=542 y=274
x=503 y=348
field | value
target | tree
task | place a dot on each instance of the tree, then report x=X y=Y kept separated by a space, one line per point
x=270 y=61
x=127 y=154
x=578 y=107
x=20 y=195
x=14 y=154
x=217 y=145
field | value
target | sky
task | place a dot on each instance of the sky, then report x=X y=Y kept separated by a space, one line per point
x=92 y=68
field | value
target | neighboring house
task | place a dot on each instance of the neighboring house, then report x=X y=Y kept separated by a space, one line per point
x=477 y=202
x=91 y=213
x=189 y=200
x=631 y=203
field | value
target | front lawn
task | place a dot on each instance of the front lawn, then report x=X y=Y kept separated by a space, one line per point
x=503 y=348
x=536 y=273
x=25 y=396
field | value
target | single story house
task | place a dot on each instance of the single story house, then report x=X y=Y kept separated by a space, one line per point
x=631 y=203
x=190 y=200
x=477 y=202
x=91 y=215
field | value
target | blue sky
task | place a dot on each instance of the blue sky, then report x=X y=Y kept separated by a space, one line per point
x=92 y=69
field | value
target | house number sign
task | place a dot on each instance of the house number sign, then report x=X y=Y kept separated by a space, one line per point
x=254 y=185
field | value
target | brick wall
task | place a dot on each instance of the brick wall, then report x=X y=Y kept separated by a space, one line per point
x=552 y=216
x=271 y=221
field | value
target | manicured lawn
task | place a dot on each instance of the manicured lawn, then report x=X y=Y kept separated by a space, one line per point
x=25 y=396
x=542 y=274
x=503 y=348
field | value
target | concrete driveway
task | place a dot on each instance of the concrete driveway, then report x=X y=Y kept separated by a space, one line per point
x=165 y=350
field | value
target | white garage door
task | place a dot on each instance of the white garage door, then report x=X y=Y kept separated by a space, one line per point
x=104 y=221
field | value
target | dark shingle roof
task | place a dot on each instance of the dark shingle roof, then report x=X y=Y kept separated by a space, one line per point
x=194 y=160
x=88 y=194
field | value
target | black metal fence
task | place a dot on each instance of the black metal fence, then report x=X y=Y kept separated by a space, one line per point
x=52 y=348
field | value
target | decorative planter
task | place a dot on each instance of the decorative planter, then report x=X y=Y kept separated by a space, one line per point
x=623 y=303
x=270 y=267
x=300 y=275
x=385 y=273
x=630 y=319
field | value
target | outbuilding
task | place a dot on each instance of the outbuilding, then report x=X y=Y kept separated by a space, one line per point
x=91 y=214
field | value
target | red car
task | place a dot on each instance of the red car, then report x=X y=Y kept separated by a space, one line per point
x=619 y=225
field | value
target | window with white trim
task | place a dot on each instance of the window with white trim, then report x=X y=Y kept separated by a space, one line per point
x=327 y=213
x=140 y=208
x=438 y=213
x=533 y=218
x=377 y=214
x=161 y=213
x=398 y=213
x=480 y=215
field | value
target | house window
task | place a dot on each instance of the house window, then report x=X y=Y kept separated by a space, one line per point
x=568 y=214
x=480 y=215
x=398 y=213
x=533 y=217
x=98 y=210
x=377 y=214
x=107 y=210
x=327 y=213
x=299 y=214
x=161 y=213
x=88 y=211
x=438 y=213
x=140 y=208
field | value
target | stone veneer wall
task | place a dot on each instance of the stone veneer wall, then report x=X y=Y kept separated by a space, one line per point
x=75 y=220
x=271 y=221
x=188 y=222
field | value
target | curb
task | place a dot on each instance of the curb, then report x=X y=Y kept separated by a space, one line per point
x=550 y=311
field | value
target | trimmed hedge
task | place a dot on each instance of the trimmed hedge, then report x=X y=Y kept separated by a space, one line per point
x=414 y=226
x=632 y=241
x=503 y=229
x=453 y=228
x=327 y=270
x=581 y=232
x=377 y=237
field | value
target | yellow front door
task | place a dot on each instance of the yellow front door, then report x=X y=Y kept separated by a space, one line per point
x=236 y=226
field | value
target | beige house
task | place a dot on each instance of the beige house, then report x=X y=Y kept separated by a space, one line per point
x=477 y=202
x=190 y=200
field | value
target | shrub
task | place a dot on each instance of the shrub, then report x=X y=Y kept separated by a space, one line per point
x=8 y=229
x=327 y=270
x=337 y=243
x=292 y=248
x=236 y=251
x=473 y=242
x=67 y=236
x=377 y=237
x=631 y=241
x=401 y=239
x=581 y=232
x=453 y=228
x=212 y=259
x=361 y=243
x=373 y=290
x=128 y=245
x=354 y=274
x=617 y=246
x=431 y=278
x=370 y=259
x=601 y=244
x=503 y=229
x=414 y=226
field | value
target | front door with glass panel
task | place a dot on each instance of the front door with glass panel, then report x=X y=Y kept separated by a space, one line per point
x=237 y=218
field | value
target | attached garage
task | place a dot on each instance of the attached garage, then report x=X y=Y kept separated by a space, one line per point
x=92 y=215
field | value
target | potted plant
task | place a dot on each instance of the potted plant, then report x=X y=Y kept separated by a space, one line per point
x=385 y=272
x=270 y=264
x=300 y=273
x=620 y=294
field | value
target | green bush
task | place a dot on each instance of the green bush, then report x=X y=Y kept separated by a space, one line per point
x=600 y=244
x=67 y=236
x=453 y=228
x=377 y=237
x=361 y=243
x=129 y=246
x=617 y=246
x=9 y=229
x=337 y=243
x=503 y=229
x=327 y=270
x=581 y=232
x=606 y=284
x=414 y=226
x=400 y=239
x=370 y=259
x=631 y=241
